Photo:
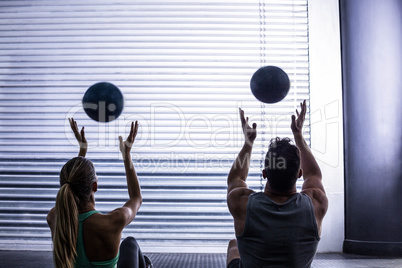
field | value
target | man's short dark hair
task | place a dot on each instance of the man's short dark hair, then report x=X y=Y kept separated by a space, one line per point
x=282 y=164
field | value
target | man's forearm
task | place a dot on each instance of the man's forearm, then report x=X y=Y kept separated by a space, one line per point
x=241 y=165
x=308 y=163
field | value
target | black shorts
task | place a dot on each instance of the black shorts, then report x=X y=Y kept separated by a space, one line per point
x=235 y=263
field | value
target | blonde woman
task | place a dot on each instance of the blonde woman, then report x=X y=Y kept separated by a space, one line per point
x=82 y=236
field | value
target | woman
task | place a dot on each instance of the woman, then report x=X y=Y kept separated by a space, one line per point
x=82 y=236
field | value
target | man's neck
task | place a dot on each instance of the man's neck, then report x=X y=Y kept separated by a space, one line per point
x=279 y=196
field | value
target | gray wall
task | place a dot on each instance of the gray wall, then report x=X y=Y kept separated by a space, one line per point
x=372 y=92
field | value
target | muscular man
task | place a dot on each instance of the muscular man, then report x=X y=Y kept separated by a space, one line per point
x=278 y=227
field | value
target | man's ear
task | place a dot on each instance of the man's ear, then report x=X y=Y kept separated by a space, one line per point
x=95 y=187
x=300 y=173
x=264 y=174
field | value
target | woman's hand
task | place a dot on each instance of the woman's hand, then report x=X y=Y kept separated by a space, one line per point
x=249 y=133
x=125 y=147
x=80 y=136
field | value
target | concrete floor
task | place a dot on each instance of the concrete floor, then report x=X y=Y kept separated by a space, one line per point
x=43 y=259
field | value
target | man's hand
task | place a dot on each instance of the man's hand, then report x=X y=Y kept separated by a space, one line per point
x=249 y=133
x=297 y=124
x=125 y=147
x=80 y=136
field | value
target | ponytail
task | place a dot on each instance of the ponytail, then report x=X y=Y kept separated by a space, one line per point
x=76 y=179
x=66 y=232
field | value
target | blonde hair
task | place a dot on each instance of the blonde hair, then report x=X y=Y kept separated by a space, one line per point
x=76 y=179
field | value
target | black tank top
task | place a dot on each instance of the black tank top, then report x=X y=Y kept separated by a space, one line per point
x=278 y=235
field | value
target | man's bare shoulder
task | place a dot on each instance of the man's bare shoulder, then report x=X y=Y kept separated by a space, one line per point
x=239 y=192
x=237 y=201
x=315 y=193
x=238 y=197
x=319 y=200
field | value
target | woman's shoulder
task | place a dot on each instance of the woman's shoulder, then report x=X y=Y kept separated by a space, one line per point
x=101 y=236
x=108 y=222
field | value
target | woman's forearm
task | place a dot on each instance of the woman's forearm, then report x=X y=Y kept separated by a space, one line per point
x=133 y=185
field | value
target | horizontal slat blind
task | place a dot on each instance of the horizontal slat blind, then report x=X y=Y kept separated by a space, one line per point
x=184 y=69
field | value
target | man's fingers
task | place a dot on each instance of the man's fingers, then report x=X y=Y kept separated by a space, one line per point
x=297 y=112
x=254 y=125
x=121 y=140
x=242 y=119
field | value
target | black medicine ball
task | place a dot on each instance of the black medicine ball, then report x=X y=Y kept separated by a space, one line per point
x=270 y=84
x=103 y=102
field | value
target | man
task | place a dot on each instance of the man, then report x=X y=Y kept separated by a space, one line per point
x=278 y=227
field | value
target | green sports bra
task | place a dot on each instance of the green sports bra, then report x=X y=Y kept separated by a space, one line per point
x=82 y=260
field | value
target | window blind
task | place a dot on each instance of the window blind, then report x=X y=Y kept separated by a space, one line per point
x=184 y=69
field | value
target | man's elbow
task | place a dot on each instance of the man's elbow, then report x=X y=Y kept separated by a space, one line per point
x=316 y=175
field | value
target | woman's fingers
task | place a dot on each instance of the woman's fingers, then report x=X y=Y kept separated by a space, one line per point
x=83 y=134
x=125 y=145
x=135 y=129
x=73 y=124
x=131 y=129
x=130 y=137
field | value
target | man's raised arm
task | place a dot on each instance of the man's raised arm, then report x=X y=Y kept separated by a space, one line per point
x=312 y=185
x=311 y=171
x=239 y=171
